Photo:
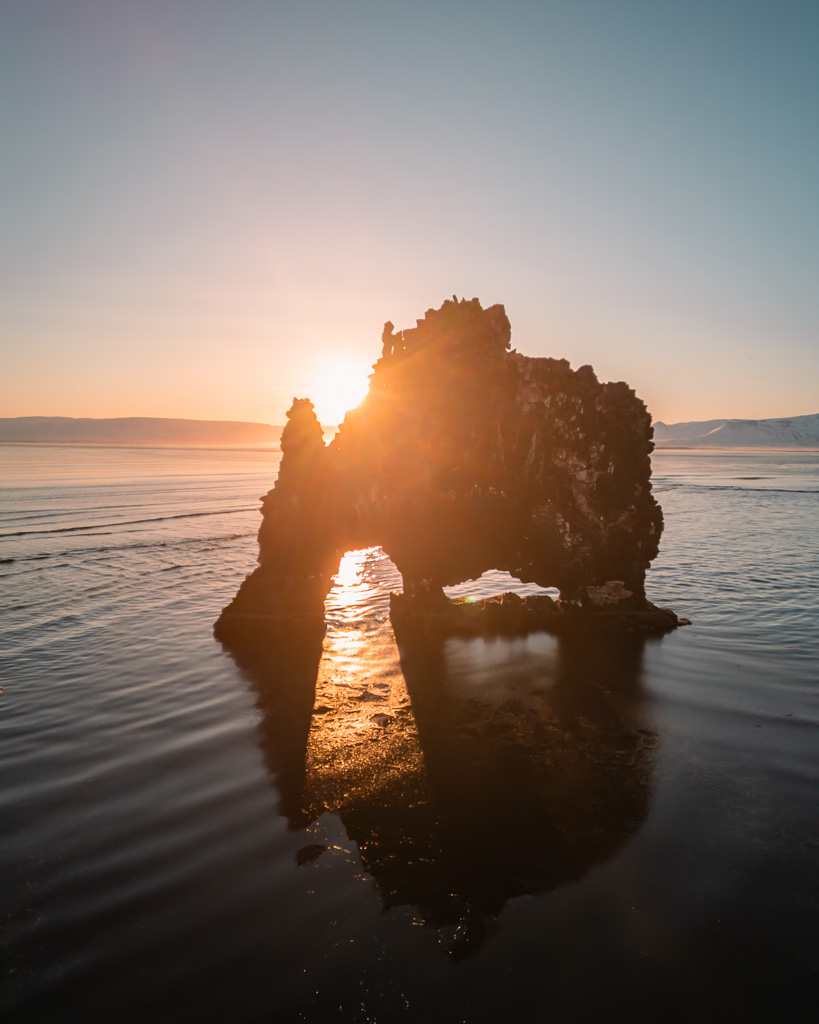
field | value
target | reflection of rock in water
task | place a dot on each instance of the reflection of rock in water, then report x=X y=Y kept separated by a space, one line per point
x=524 y=788
x=284 y=680
x=503 y=768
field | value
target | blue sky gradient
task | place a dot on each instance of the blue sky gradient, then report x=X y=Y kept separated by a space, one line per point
x=201 y=202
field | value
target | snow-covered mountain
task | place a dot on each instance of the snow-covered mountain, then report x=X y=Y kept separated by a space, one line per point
x=795 y=432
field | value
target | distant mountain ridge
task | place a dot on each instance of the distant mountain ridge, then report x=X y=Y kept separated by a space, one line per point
x=136 y=430
x=793 y=432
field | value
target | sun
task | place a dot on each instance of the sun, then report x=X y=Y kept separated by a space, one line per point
x=339 y=384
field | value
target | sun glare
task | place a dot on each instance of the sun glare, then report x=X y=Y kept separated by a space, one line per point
x=340 y=385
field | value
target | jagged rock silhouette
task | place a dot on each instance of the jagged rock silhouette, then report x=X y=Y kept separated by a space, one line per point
x=465 y=456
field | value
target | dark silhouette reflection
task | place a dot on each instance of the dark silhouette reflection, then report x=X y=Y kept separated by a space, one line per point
x=283 y=672
x=484 y=770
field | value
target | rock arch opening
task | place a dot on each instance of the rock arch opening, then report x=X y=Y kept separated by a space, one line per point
x=494 y=583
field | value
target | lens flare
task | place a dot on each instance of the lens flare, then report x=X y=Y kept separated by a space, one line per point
x=340 y=385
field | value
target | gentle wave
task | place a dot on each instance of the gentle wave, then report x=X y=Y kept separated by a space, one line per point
x=754 y=490
x=662 y=486
x=130 y=522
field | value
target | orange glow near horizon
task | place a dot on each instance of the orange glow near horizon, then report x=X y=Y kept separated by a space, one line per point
x=340 y=385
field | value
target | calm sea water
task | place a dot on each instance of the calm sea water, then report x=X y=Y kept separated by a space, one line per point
x=496 y=830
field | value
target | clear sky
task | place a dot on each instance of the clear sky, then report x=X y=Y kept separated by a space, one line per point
x=204 y=202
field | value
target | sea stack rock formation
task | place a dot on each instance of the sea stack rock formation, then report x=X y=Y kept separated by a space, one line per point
x=465 y=456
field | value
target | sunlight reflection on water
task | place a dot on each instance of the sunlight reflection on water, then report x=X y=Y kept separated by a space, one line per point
x=350 y=587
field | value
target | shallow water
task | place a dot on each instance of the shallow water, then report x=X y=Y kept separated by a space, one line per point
x=355 y=832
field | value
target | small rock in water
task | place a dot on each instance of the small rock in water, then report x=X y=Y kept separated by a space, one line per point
x=382 y=720
x=368 y=695
x=309 y=852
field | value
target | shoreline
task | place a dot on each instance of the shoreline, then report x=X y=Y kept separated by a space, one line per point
x=731 y=448
x=274 y=446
